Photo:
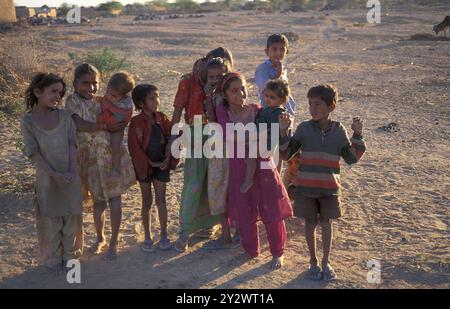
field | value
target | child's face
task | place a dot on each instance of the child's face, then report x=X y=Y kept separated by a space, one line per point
x=272 y=99
x=86 y=86
x=114 y=95
x=276 y=52
x=213 y=75
x=151 y=102
x=319 y=109
x=50 y=96
x=236 y=92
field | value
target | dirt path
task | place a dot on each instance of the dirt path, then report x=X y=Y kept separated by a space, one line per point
x=396 y=199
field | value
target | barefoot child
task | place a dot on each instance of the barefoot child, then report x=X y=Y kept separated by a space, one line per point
x=267 y=199
x=95 y=157
x=117 y=106
x=147 y=142
x=322 y=142
x=276 y=94
x=217 y=176
x=50 y=142
x=194 y=214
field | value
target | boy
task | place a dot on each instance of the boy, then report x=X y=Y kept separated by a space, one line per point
x=276 y=50
x=317 y=185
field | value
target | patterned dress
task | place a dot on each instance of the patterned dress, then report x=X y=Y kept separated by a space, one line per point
x=94 y=154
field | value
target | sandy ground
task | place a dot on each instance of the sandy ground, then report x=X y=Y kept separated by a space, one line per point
x=396 y=199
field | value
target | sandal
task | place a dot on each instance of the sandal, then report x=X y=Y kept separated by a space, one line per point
x=164 y=244
x=181 y=245
x=314 y=272
x=147 y=246
x=206 y=233
x=328 y=273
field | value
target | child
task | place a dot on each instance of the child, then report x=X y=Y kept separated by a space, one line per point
x=150 y=153
x=276 y=94
x=277 y=48
x=50 y=142
x=322 y=142
x=95 y=157
x=267 y=199
x=117 y=106
x=194 y=214
x=217 y=176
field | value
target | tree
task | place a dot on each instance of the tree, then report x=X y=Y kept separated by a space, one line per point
x=110 y=6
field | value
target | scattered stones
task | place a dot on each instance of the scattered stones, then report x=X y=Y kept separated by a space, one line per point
x=391 y=127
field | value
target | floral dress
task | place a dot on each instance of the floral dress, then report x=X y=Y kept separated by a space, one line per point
x=94 y=154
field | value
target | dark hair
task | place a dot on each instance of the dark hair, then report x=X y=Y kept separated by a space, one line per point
x=41 y=81
x=216 y=62
x=140 y=92
x=280 y=87
x=226 y=81
x=222 y=53
x=83 y=69
x=277 y=38
x=328 y=93
x=122 y=82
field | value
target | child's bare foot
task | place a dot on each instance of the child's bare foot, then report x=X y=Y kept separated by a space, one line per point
x=246 y=186
x=111 y=254
x=277 y=262
x=97 y=247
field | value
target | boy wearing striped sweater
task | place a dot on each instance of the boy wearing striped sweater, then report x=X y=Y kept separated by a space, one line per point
x=321 y=142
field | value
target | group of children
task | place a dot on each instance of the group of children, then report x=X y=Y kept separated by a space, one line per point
x=80 y=151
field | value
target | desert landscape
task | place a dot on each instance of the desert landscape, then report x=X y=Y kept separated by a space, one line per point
x=396 y=199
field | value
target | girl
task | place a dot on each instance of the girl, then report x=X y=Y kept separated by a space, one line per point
x=194 y=209
x=267 y=199
x=216 y=68
x=147 y=142
x=49 y=136
x=95 y=156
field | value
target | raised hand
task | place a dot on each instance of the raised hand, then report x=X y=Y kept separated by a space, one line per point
x=285 y=122
x=357 y=125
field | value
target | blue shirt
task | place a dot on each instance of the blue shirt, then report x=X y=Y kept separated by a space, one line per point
x=264 y=72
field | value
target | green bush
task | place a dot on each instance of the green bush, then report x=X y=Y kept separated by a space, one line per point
x=106 y=61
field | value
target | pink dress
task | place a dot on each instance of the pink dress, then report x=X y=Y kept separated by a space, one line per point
x=266 y=201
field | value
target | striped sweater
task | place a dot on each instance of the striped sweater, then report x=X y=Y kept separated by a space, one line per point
x=320 y=152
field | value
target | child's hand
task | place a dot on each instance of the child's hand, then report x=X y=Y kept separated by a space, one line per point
x=285 y=122
x=278 y=66
x=357 y=125
x=154 y=164
x=165 y=164
x=209 y=89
